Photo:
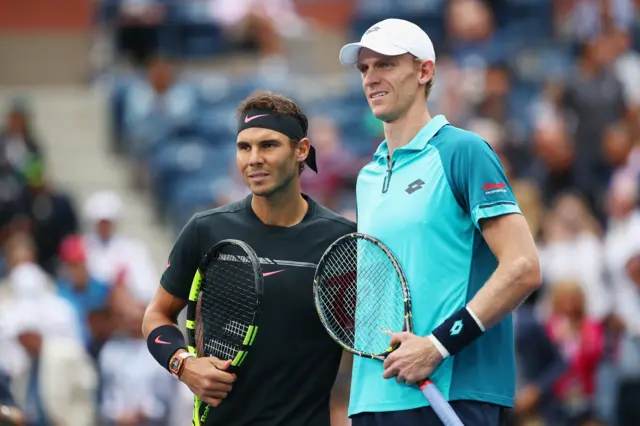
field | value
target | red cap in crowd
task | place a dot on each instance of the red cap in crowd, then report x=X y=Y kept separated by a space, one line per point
x=72 y=249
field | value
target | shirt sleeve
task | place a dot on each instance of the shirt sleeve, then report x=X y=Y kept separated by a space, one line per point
x=477 y=178
x=183 y=261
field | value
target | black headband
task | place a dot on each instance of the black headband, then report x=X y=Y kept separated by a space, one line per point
x=285 y=124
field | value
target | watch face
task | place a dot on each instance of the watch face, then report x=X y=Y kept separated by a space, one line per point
x=175 y=363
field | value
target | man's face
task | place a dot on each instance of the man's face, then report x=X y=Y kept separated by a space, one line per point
x=31 y=341
x=17 y=122
x=105 y=229
x=160 y=75
x=391 y=83
x=76 y=272
x=268 y=160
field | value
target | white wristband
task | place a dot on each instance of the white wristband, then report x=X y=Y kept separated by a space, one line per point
x=443 y=351
x=477 y=320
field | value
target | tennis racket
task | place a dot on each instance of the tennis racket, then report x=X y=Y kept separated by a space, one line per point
x=362 y=295
x=223 y=307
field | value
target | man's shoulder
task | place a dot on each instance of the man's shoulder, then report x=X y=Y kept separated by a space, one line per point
x=221 y=211
x=452 y=139
x=340 y=223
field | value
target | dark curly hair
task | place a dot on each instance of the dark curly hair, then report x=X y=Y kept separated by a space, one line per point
x=266 y=100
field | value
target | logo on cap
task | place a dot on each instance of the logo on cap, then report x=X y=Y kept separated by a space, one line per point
x=372 y=29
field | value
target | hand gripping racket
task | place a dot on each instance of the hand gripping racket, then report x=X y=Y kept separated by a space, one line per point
x=223 y=307
x=361 y=295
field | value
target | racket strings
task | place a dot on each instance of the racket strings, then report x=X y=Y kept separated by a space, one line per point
x=361 y=296
x=226 y=306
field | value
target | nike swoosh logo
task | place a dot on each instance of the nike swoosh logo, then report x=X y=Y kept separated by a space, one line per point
x=266 y=274
x=248 y=119
x=161 y=342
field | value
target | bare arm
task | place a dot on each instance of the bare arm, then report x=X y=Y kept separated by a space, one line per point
x=163 y=310
x=518 y=272
x=204 y=376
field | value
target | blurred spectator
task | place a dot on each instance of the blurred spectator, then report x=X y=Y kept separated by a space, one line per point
x=622 y=234
x=114 y=258
x=471 y=31
x=593 y=99
x=632 y=308
x=529 y=199
x=455 y=91
x=618 y=146
x=628 y=409
x=494 y=134
x=156 y=107
x=137 y=27
x=572 y=250
x=58 y=385
x=51 y=216
x=494 y=102
x=626 y=65
x=136 y=390
x=551 y=166
x=89 y=296
x=539 y=366
x=583 y=19
x=18 y=145
x=335 y=163
x=581 y=341
x=23 y=274
x=262 y=22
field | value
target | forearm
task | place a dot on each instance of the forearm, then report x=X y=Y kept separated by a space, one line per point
x=154 y=319
x=511 y=283
x=163 y=310
x=159 y=327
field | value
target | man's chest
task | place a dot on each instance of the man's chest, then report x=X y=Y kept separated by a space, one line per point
x=411 y=198
x=287 y=266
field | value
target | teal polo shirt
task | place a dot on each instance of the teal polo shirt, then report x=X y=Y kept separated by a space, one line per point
x=427 y=209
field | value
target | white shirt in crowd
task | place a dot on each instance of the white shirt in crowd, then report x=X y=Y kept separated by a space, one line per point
x=133 y=381
x=621 y=242
x=581 y=260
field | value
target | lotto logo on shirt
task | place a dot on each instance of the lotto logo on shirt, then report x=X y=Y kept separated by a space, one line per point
x=492 y=188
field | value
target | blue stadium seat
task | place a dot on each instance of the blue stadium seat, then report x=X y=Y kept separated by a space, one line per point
x=120 y=84
x=344 y=113
x=178 y=158
x=521 y=98
x=527 y=20
x=537 y=64
x=218 y=122
x=426 y=14
x=189 y=195
x=214 y=89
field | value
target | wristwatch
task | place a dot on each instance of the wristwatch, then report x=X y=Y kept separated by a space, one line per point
x=176 y=364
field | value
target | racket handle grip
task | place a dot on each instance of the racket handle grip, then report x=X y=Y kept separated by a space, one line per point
x=440 y=405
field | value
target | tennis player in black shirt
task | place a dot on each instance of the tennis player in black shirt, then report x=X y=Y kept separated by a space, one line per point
x=287 y=378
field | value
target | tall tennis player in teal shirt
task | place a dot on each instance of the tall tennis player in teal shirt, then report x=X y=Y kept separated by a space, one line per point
x=438 y=196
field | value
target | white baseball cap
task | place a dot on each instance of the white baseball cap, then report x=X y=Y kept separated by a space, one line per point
x=391 y=37
x=103 y=205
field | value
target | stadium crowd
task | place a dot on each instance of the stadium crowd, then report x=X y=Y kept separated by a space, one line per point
x=553 y=86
